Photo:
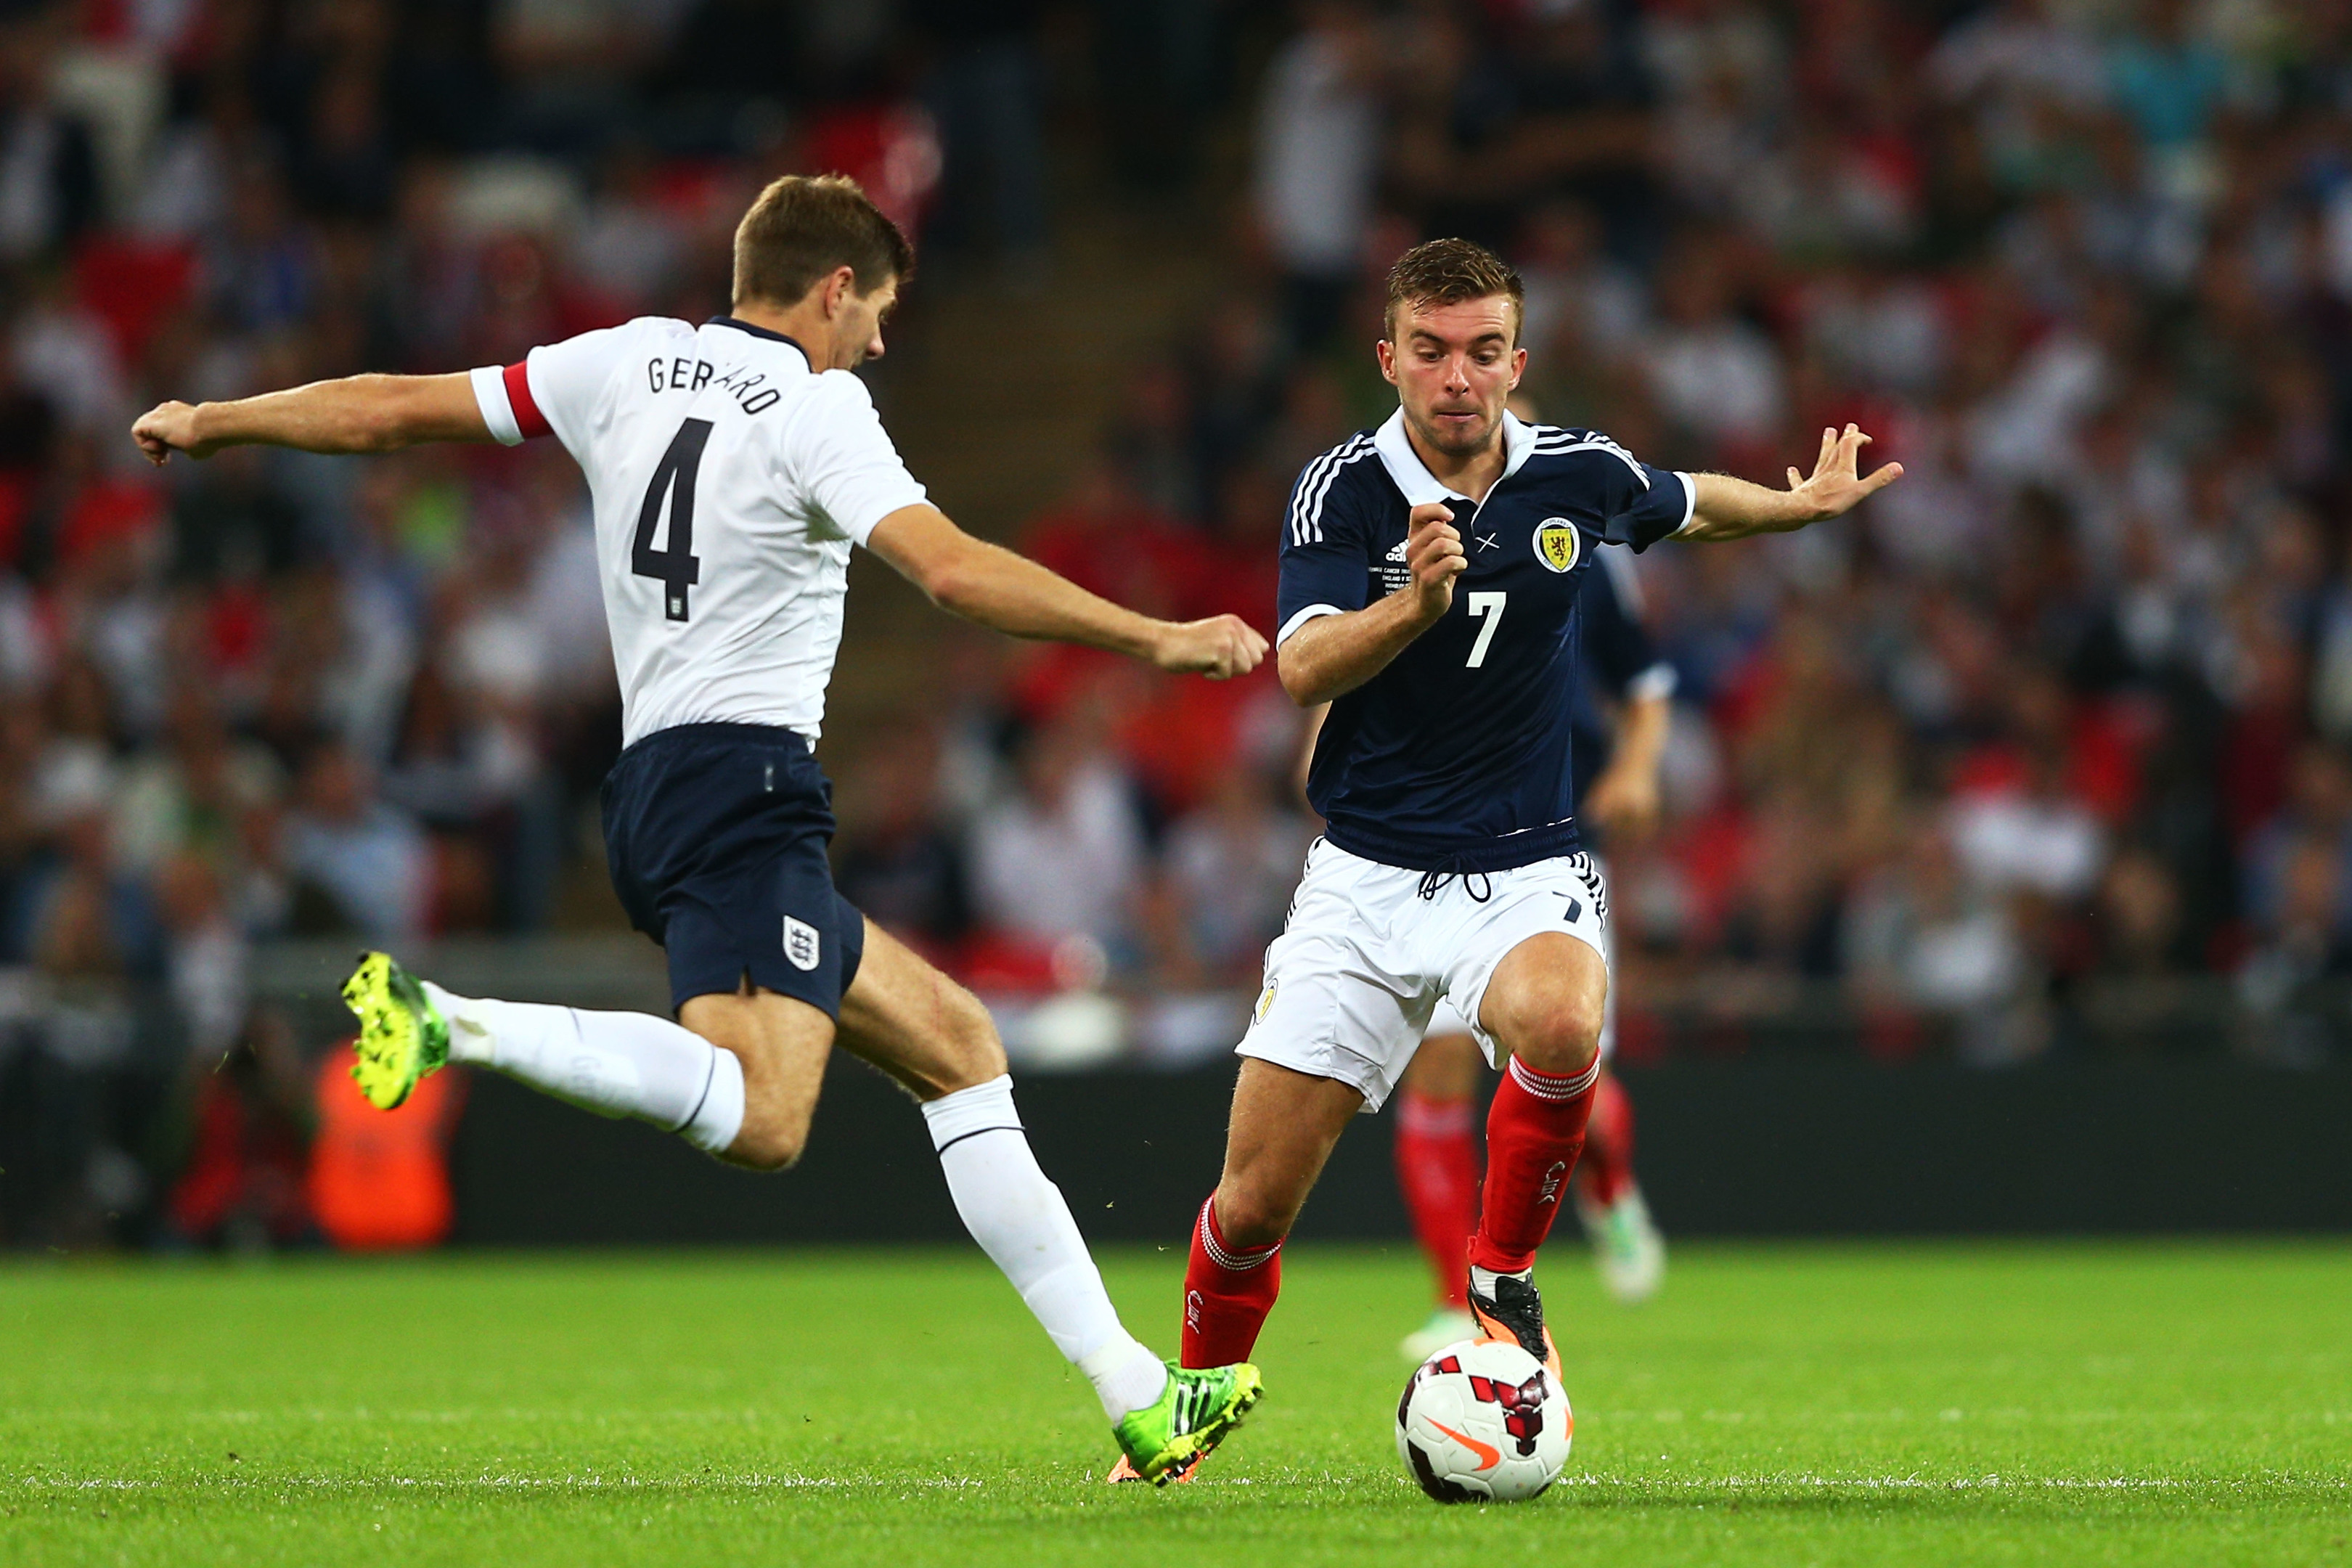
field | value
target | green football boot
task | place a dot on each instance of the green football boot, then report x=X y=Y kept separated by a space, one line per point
x=402 y=1036
x=1165 y=1442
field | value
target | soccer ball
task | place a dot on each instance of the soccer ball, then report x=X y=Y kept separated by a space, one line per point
x=1483 y=1422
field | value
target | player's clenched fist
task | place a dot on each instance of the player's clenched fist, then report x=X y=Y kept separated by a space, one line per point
x=165 y=428
x=1220 y=648
x=1432 y=549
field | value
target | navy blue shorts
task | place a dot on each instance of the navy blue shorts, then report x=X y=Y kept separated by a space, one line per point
x=716 y=835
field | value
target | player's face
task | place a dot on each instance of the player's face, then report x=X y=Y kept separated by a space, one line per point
x=1453 y=367
x=857 y=327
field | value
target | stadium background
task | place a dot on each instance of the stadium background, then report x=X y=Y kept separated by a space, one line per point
x=2006 y=876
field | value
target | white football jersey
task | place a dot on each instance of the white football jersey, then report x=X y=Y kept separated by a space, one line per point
x=729 y=481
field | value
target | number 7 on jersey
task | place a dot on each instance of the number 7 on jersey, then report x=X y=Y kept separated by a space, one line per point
x=1480 y=604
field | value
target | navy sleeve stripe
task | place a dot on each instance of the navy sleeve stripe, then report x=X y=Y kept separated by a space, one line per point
x=1307 y=504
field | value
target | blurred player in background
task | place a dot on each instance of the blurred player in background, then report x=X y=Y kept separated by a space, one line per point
x=1616 y=753
x=732 y=466
x=1450 y=867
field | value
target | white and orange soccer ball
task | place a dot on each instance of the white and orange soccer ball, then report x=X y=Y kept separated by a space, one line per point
x=1484 y=1422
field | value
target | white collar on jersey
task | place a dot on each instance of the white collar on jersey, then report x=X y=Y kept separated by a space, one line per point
x=1413 y=476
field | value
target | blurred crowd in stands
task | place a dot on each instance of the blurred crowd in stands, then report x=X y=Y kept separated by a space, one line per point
x=2054 y=729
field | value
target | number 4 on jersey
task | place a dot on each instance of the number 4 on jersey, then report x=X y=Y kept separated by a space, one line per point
x=674 y=566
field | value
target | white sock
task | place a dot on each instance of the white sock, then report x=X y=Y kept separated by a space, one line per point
x=1482 y=1281
x=615 y=1064
x=1020 y=1222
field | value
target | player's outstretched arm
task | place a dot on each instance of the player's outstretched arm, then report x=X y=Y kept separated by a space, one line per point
x=1725 y=507
x=356 y=414
x=1011 y=593
x=1332 y=656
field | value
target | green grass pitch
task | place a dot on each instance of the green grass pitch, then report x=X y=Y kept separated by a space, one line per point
x=2162 y=1404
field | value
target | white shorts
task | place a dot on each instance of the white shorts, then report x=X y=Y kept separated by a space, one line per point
x=1444 y=1020
x=1364 y=960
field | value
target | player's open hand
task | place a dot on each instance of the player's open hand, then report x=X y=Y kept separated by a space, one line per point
x=1835 y=489
x=1432 y=549
x=166 y=428
x=1220 y=648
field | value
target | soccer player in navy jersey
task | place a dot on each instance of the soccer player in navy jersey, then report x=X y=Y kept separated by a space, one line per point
x=1429 y=573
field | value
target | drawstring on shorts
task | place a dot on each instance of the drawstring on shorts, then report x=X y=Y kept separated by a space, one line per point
x=1474 y=882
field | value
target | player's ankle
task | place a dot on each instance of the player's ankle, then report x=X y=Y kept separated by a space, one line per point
x=1125 y=1375
x=471 y=1038
x=1482 y=1279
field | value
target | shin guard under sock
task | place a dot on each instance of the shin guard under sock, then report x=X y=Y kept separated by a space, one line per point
x=615 y=1064
x=1535 y=1129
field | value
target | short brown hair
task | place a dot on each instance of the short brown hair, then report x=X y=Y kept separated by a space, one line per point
x=802 y=228
x=1447 y=272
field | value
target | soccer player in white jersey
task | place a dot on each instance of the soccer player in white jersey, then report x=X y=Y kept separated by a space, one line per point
x=1429 y=575
x=732 y=465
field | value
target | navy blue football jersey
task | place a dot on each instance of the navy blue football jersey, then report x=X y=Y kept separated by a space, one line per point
x=1459 y=757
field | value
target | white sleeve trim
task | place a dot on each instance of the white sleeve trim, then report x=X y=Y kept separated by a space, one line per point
x=498 y=412
x=1311 y=612
x=1690 y=503
x=880 y=505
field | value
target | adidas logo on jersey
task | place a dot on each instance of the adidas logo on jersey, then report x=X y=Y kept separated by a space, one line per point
x=1397 y=552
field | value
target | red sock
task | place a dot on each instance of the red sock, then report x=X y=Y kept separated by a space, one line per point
x=1607 y=1168
x=1228 y=1292
x=1437 y=1171
x=1535 y=1129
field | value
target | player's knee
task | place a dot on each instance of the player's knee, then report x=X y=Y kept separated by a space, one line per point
x=1250 y=1214
x=766 y=1149
x=771 y=1140
x=1563 y=1048
x=1547 y=1004
x=1557 y=1032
